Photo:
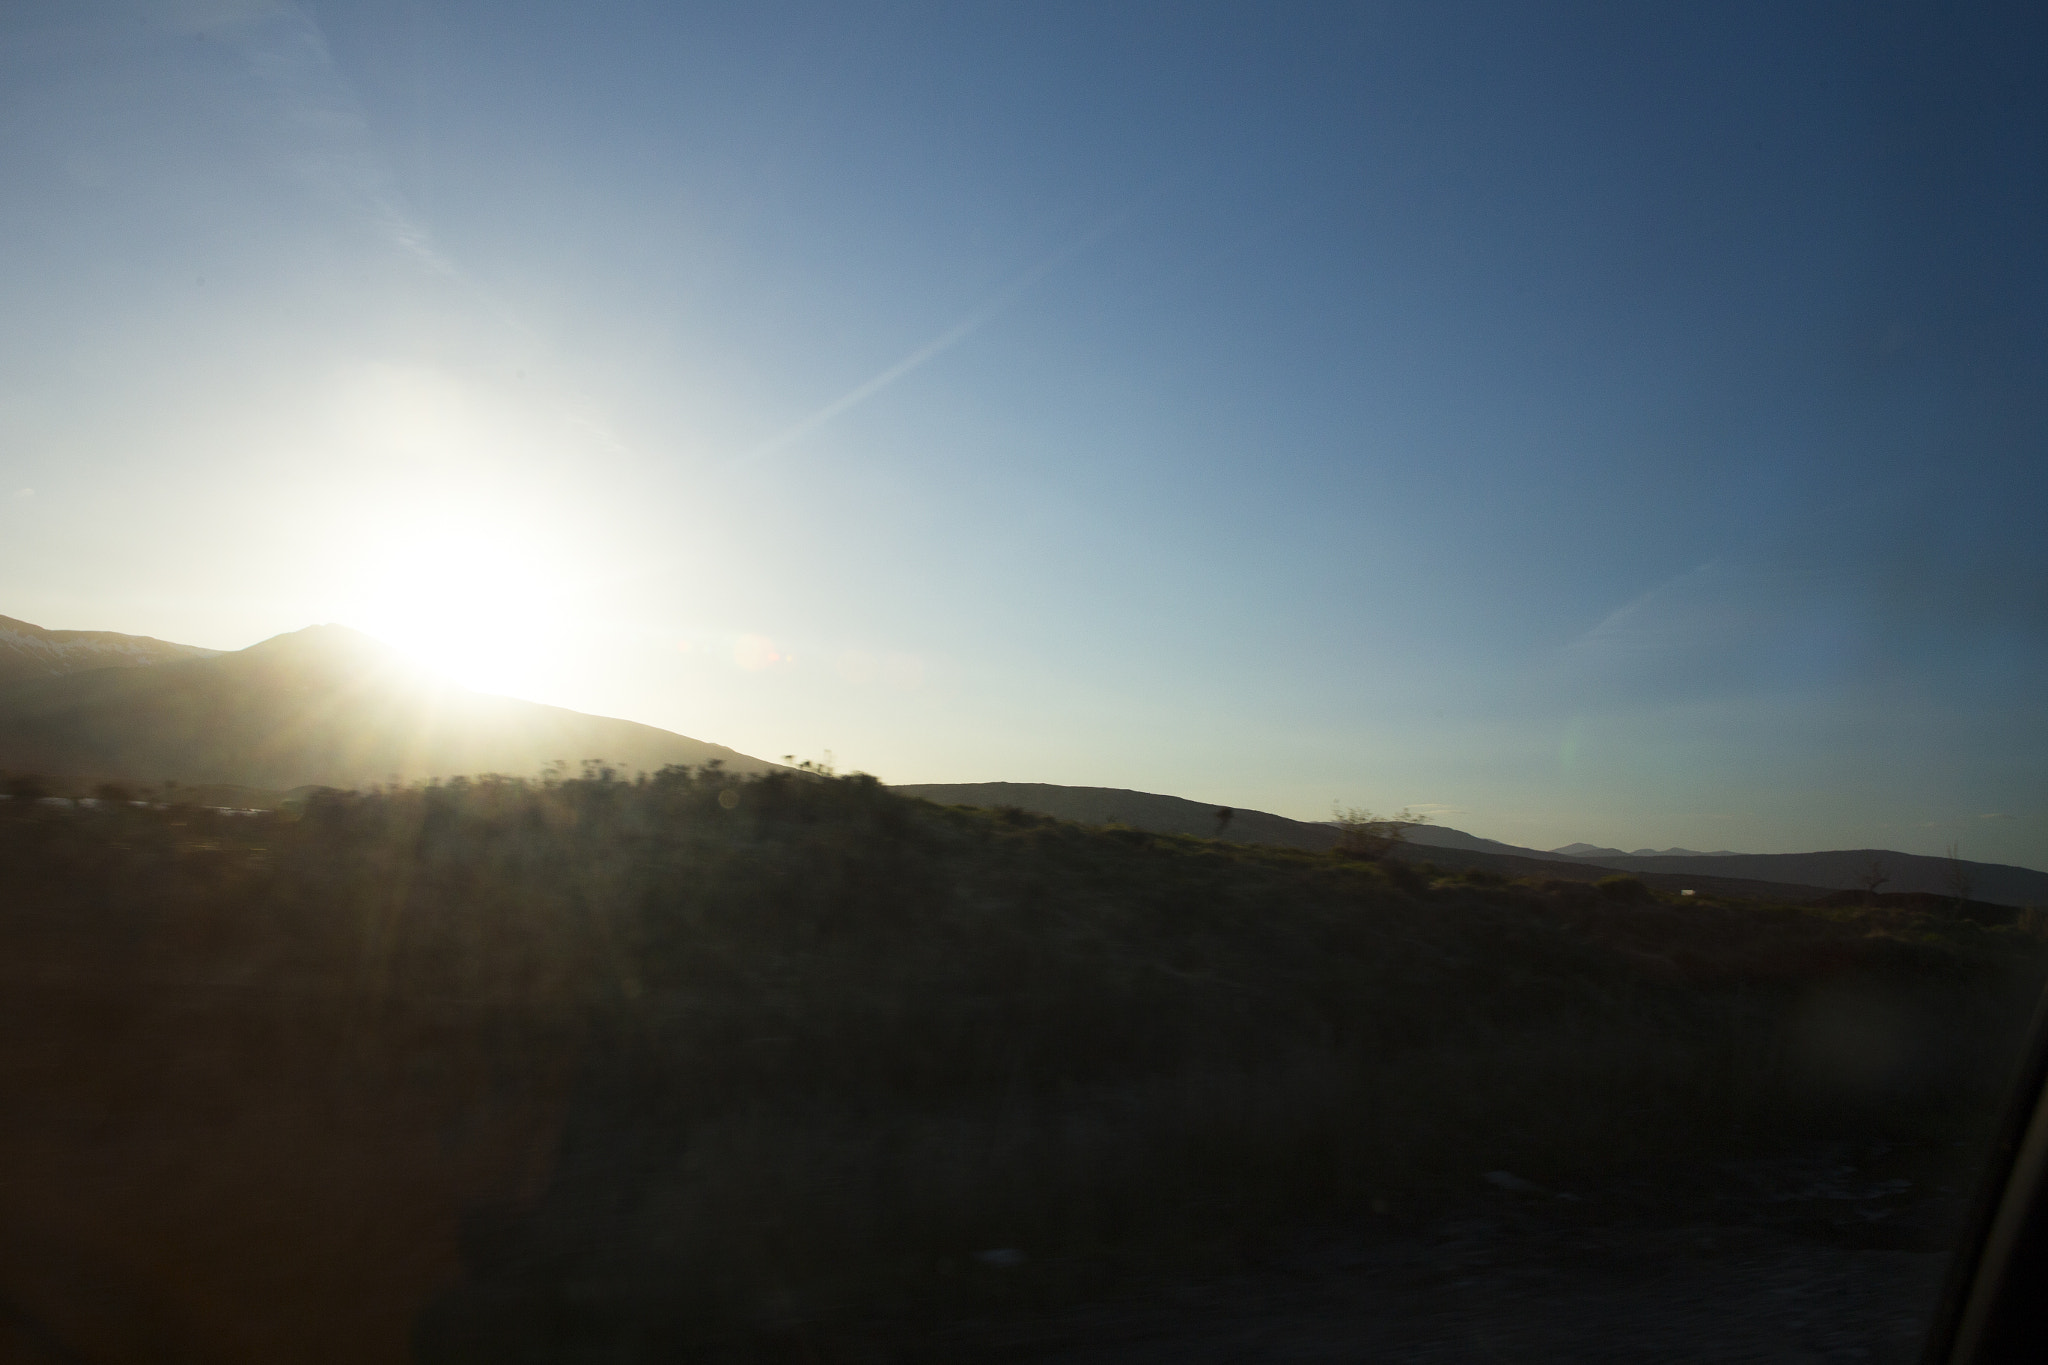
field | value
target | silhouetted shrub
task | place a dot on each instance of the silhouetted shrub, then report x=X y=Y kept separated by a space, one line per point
x=1368 y=837
x=1624 y=888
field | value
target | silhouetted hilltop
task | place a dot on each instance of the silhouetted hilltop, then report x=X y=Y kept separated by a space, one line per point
x=325 y=706
x=1139 y=810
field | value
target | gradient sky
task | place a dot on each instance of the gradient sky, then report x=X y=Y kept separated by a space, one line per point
x=1620 y=422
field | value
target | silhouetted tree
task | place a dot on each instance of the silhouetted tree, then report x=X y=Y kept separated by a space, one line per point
x=1874 y=876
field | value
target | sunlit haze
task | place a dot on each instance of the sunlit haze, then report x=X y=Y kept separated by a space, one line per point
x=1579 y=422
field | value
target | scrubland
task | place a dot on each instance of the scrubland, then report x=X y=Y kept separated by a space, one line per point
x=705 y=1067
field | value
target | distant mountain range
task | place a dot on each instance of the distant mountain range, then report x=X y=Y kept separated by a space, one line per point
x=1596 y=851
x=324 y=706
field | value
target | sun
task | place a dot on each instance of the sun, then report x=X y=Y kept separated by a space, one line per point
x=451 y=536
x=470 y=595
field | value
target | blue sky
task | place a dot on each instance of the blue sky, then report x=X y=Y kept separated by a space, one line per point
x=1584 y=421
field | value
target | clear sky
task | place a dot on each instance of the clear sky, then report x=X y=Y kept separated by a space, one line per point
x=1620 y=422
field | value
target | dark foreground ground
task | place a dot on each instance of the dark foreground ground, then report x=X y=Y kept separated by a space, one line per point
x=797 y=1072
x=1822 y=1256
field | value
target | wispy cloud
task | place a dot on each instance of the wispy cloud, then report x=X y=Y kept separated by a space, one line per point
x=1004 y=299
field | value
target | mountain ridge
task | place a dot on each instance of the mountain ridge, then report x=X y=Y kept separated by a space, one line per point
x=325 y=706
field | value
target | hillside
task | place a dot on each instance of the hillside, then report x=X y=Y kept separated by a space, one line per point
x=1175 y=815
x=30 y=651
x=323 y=706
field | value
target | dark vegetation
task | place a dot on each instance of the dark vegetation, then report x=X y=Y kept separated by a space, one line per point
x=804 y=1060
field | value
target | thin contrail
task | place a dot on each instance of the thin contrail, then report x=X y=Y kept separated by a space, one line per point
x=945 y=341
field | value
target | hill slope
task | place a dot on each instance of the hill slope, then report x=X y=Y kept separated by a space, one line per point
x=322 y=706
